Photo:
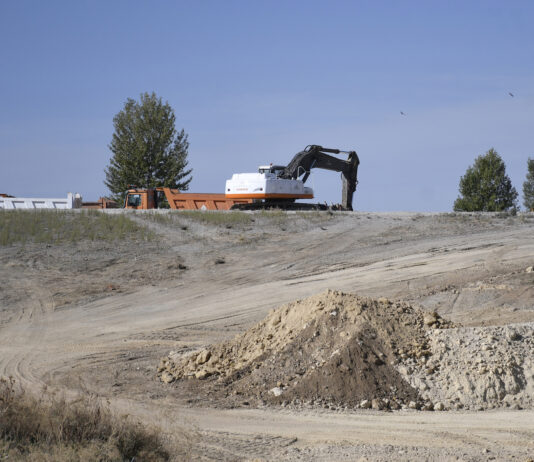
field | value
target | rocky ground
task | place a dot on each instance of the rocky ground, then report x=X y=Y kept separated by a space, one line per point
x=100 y=316
x=477 y=367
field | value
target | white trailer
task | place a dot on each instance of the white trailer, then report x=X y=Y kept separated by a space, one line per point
x=72 y=201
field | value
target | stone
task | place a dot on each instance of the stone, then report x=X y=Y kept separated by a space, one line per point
x=413 y=405
x=428 y=407
x=276 y=391
x=430 y=319
x=513 y=335
x=203 y=357
x=167 y=377
x=439 y=406
x=365 y=404
x=394 y=405
x=201 y=374
x=530 y=269
x=162 y=366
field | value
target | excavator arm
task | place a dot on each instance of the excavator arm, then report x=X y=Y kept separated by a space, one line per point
x=315 y=156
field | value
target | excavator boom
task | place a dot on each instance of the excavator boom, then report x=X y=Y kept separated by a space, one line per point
x=315 y=156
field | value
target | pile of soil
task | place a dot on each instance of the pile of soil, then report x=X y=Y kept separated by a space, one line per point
x=333 y=348
x=477 y=367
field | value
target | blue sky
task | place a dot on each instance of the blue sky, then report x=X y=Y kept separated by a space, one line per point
x=253 y=82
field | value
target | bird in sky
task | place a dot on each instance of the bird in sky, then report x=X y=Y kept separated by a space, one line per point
x=402 y=113
x=511 y=94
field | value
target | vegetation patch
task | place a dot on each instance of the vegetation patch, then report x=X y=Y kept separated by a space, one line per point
x=236 y=218
x=51 y=429
x=210 y=218
x=57 y=226
x=217 y=218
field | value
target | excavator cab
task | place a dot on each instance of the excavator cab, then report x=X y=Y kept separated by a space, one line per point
x=273 y=169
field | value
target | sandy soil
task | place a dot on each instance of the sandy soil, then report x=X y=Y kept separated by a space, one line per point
x=100 y=317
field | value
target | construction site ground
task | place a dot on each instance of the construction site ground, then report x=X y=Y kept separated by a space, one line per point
x=98 y=316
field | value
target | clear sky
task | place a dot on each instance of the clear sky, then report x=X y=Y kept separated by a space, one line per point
x=254 y=82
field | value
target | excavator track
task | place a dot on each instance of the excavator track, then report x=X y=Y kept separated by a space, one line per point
x=280 y=205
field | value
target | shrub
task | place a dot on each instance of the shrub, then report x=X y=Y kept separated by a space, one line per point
x=51 y=428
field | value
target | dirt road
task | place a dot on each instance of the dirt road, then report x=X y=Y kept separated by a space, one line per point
x=111 y=344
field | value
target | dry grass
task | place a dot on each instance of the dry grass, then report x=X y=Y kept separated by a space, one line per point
x=235 y=217
x=232 y=217
x=57 y=226
x=52 y=429
x=204 y=217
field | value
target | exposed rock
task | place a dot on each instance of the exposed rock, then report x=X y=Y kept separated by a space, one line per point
x=166 y=377
x=202 y=374
x=365 y=404
x=439 y=406
x=480 y=367
x=276 y=391
x=377 y=404
x=430 y=318
x=203 y=357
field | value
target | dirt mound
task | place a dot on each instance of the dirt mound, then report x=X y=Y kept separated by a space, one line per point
x=477 y=367
x=330 y=348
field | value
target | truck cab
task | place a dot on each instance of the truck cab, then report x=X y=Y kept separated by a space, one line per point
x=141 y=199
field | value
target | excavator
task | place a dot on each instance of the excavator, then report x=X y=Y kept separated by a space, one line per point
x=279 y=186
x=273 y=186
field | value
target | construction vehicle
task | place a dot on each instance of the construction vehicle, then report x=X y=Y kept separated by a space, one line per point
x=279 y=186
x=274 y=186
x=101 y=203
x=72 y=201
x=156 y=198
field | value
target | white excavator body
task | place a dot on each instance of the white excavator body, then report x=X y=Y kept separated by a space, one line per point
x=266 y=185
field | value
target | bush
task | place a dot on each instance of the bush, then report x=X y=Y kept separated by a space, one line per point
x=51 y=428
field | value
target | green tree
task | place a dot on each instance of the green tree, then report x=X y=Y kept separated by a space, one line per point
x=147 y=149
x=486 y=186
x=528 y=186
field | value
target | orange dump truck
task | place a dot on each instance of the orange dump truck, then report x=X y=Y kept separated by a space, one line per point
x=102 y=203
x=145 y=199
